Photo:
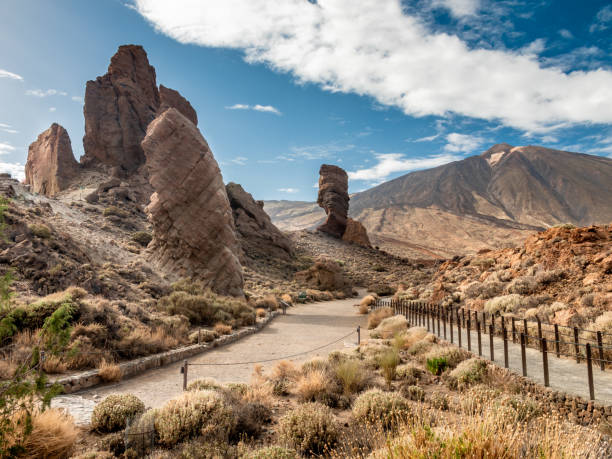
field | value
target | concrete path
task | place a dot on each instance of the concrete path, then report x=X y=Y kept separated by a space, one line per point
x=564 y=374
x=305 y=327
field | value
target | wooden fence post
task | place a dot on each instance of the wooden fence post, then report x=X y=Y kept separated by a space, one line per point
x=504 y=333
x=444 y=313
x=526 y=331
x=513 y=330
x=185 y=367
x=602 y=364
x=479 y=338
x=458 y=328
x=590 y=371
x=438 y=318
x=427 y=316
x=523 y=355
x=358 y=335
x=491 y=343
x=544 y=360
x=450 y=316
x=539 y=329
x=576 y=345
x=557 y=341
x=469 y=331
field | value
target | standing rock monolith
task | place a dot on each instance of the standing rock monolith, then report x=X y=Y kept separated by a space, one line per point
x=51 y=165
x=334 y=199
x=193 y=225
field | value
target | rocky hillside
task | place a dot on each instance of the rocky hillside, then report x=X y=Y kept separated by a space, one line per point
x=493 y=200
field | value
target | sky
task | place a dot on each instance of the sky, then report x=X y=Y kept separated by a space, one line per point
x=378 y=87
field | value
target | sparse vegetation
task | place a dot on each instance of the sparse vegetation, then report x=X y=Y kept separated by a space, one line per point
x=309 y=428
x=40 y=230
x=109 y=371
x=115 y=411
x=377 y=316
x=142 y=237
x=386 y=408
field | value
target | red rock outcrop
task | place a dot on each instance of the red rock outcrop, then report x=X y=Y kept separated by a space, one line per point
x=259 y=238
x=193 y=225
x=334 y=199
x=51 y=164
x=356 y=233
x=171 y=98
x=118 y=108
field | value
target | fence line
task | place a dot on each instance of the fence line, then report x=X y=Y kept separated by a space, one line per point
x=547 y=341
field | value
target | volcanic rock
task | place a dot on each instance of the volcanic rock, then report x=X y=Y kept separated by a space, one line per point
x=51 y=164
x=258 y=237
x=325 y=274
x=356 y=233
x=171 y=98
x=118 y=108
x=193 y=225
x=334 y=199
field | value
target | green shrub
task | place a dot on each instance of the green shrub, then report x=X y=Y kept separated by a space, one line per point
x=193 y=413
x=40 y=230
x=115 y=411
x=142 y=237
x=274 y=452
x=352 y=376
x=375 y=406
x=451 y=354
x=310 y=428
x=437 y=365
x=469 y=371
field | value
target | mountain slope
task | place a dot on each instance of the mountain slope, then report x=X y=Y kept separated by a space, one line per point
x=492 y=200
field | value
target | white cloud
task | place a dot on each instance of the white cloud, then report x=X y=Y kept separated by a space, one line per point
x=459 y=8
x=389 y=163
x=77 y=99
x=6 y=148
x=240 y=160
x=316 y=152
x=373 y=48
x=428 y=138
x=257 y=108
x=603 y=19
x=52 y=109
x=11 y=75
x=8 y=128
x=45 y=93
x=288 y=190
x=566 y=34
x=462 y=143
x=15 y=169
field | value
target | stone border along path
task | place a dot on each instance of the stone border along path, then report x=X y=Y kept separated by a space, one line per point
x=306 y=326
x=564 y=375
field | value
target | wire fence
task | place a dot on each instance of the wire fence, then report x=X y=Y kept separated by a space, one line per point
x=589 y=346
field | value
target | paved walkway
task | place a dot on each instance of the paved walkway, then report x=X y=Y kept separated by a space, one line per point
x=564 y=374
x=305 y=327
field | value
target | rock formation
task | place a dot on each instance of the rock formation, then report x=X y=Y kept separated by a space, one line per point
x=51 y=164
x=118 y=108
x=356 y=233
x=334 y=199
x=258 y=237
x=193 y=225
x=171 y=98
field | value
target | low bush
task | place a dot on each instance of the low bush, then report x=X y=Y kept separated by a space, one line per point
x=363 y=309
x=437 y=365
x=413 y=392
x=250 y=419
x=204 y=384
x=439 y=401
x=310 y=428
x=377 y=316
x=40 y=230
x=382 y=289
x=451 y=355
x=222 y=329
x=261 y=313
x=53 y=434
x=312 y=386
x=386 y=408
x=469 y=372
x=109 y=371
x=274 y=452
x=142 y=237
x=194 y=413
x=504 y=303
x=203 y=336
x=368 y=300
x=388 y=363
x=115 y=411
x=316 y=363
x=409 y=373
x=524 y=285
x=115 y=211
x=283 y=375
x=389 y=327
x=352 y=375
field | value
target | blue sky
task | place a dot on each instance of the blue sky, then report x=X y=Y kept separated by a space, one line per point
x=378 y=87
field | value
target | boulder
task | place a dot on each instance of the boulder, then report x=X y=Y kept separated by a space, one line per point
x=169 y=98
x=193 y=225
x=51 y=165
x=325 y=274
x=356 y=233
x=334 y=199
x=118 y=108
x=258 y=236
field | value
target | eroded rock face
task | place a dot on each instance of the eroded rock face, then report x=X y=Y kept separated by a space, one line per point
x=118 y=108
x=259 y=238
x=356 y=233
x=193 y=225
x=171 y=98
x=51 y=164
x=334 y=199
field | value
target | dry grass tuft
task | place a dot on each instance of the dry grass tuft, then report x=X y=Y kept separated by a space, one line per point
x=261 y=313
x=109 y=371
x=312 y=386
x=53 y=435
x=376 y=317
x=363 y=309
x=54 y=365
x=223 y=329
x=367 y=300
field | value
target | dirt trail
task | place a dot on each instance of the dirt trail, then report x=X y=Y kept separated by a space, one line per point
x=305 y=327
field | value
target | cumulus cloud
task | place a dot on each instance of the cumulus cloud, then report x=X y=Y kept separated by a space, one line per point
x=462 y=143
x=389 y=163
x=257 y=108
x=16 y=170
x=459 y=8
x=45 y=93
x=6 y=148
x=374 y=48
x=288 y=190
x=11 y=75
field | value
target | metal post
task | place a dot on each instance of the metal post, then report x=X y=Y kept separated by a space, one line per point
x=504 y=332
x=458 y=328
x=469 y=331
x=523 y=355
x=479 y=338
x=557 y=341
x=185 y=366
x=491 y=343
x=358 y=335
x=590 y=371
x=576 y=345
x=602 y=364
x=544 y=361
x=513 y=330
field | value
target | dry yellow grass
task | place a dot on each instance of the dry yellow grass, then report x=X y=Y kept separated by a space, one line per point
x=261 y=312
x=367 y=300
x=285 y=370
x=223 y=329
x=311 y=385
x=109 y=371
x=53 y=435
x=287 y=299
x=363 y=309
x=7 y=369
x=376 y=317
x=54 y=365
